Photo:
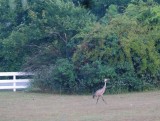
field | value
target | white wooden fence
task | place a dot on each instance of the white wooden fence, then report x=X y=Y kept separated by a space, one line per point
x=14 y=80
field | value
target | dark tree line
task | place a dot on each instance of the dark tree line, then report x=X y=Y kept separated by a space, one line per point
x=75 y=44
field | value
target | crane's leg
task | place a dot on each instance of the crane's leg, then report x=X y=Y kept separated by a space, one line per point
x=103 y=100
x=97 y=100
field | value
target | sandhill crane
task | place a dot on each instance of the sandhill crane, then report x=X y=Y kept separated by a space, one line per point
x=99 y=93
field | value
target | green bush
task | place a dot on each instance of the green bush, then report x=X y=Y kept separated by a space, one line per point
x=58 y=77
x=90 y=75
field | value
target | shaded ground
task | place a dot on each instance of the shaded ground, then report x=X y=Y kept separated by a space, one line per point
x=22 y=106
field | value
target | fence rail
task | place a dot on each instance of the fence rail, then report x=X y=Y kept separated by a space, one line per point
x=14 y=80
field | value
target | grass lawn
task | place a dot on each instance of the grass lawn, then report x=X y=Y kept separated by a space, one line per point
x=22 y=106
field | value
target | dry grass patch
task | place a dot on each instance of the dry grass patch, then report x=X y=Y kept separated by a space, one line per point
x=22 y=106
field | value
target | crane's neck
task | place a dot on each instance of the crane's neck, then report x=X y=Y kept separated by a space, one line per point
x=104 y=85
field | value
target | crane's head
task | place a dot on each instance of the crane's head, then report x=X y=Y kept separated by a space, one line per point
x=106 y=80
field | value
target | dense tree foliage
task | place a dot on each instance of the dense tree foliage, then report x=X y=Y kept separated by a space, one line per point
x=73 y=45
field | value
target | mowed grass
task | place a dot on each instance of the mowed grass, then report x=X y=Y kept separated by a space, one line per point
x=22 y=106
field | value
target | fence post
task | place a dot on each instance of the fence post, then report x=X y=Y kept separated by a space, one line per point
x=14 y=83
